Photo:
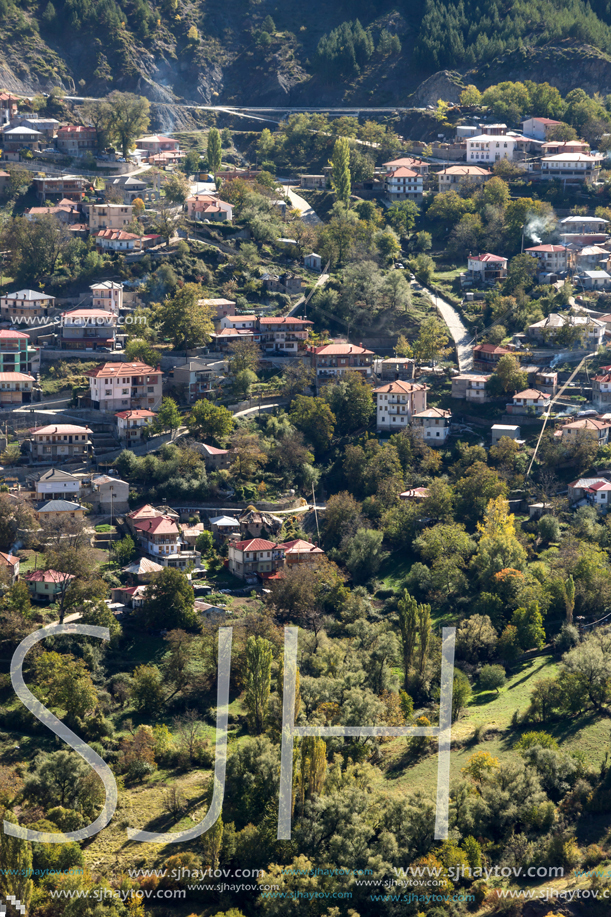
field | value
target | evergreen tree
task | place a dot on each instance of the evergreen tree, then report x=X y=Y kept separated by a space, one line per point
x=408 y=622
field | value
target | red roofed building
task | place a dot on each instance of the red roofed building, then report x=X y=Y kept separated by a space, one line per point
x=300 y=552
x=284 y=333
x=486 y=268
x=16 y=388
x=552 y=258
x=11 y=563
x=489 y=354
x=118 y=387
x=119 y=240
x=408 y=162
x=590 y=427
x=530 y=401
x=404 y=184
x=254 y=558
x=131 y=425
x=157 y=143
x=539 y=128
x=397 y=402
x=332 y=360
x=76 y=140
x=601 y=388
x=215 y=459
x=208 y=207
x=16 y=354
x=44 y=585
x=160 y=539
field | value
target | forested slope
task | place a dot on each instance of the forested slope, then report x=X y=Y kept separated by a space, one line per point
x=290 y=54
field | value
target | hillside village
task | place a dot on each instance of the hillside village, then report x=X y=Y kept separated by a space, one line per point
x=331 y=377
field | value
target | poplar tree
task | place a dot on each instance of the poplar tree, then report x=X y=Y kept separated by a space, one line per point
x=408 y=617
x=214 y=150
x=258 y=681
x=340 y=175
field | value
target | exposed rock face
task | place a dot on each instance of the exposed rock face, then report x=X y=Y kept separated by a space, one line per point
x=446 y=85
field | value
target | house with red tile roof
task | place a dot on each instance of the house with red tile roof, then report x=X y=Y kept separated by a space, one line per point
x=254 y=558
x=403 y=184
x=529 y=401
x=10 y=562
x=330 y=361
x=300 y=552
x=45 y=585
x=132 y=425
x=61 y=441
x=208 y=207
x=485 y=268
x=397 y=402
x=160 y=539
x=116 y=387
x=591 y=427
x=490 y=354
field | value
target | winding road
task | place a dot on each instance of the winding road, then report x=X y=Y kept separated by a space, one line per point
x=462 y=337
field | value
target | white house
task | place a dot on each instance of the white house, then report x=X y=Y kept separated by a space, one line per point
x=539 y=128
x=552 y=258
x=433 y=425
x=255 y=557
x=573 y=168
x=313 y=262
x=123 y=386
x=57 y=485
x=397 y=402
x=486 y=268
x=529 y=398
x=404 y=185
x=131 y=425
x=107 y=295
x=490 y=147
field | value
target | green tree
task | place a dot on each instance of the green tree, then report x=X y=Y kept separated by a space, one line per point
x=177 y=188
x=15 y=865
x=402 y=216
x=205 y=543
x=408 y=622
x=259 y=655
x=529 y=624
x=492 y=678
x=128 y=118
x=471 y=96
x=185 y=318
x=214 y=151
x=168 y=417
x=169 y=601
x=363 y=554
x=461 y=693
x=315 y=419
x=431 y=343
x=139 y=350
x=508 y=374
x=351 y=401
x=36 y=246
x=210 y=421
x=147 y=689
x=340 y=170
x=67 y=683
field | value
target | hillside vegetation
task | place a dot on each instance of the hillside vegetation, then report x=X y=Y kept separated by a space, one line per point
x=376 y=54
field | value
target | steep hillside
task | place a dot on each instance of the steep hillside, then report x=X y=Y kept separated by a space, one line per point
x=268 y=53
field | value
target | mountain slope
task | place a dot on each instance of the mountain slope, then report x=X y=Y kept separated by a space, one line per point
x=264 y=52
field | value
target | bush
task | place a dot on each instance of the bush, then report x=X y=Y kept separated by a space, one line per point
x=492 y=678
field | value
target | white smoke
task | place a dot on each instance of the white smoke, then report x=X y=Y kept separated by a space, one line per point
x=537 y=227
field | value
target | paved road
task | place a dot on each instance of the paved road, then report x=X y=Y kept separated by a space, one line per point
x=462 y=337
x=299 y=203
x=342 y=110
x=261 y=408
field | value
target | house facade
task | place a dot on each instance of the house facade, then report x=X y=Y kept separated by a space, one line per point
x=539 y=128
x=486 y=268
x=200 y=379
x=528 y=402
x=108 y=296
x=433 y=425
x=254 y=558
x=117 y=387
x=403 y=184
x=284 y=334
x=470 y=387
x=590 y=427
x=490 y=148
x=70 y=187
x=552 y=258
x=16 y=388
x=489 y=354
x=77 y=139
x=571 y=168
x=25 y=303
x=45 y=585
x=16 y=354
x=88 y=329
x=332 y=360
x=397 y=402
x=455 y=176
x=160 y=539
x=109 y=216
x=62 y=441
x=58 y=485
x=208 y=207
x=57 y=510
x=132 y=425
x=601 y=389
